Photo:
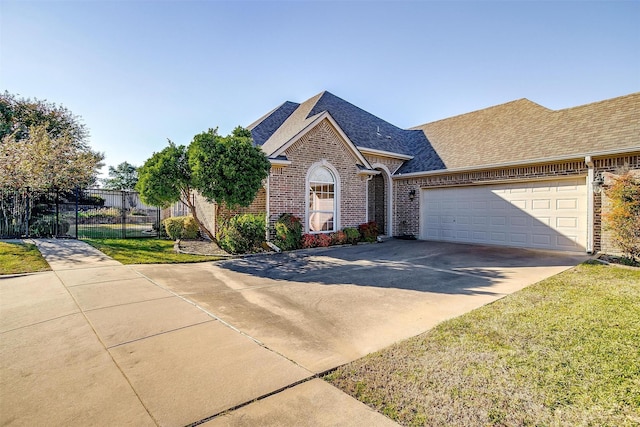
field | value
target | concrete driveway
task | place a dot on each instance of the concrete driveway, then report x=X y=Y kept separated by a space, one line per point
x=98 y=343
x=322 y=308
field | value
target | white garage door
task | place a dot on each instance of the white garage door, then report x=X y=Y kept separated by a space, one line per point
x=541 y=214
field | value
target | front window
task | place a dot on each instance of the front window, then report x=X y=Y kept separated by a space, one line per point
x=322 y=201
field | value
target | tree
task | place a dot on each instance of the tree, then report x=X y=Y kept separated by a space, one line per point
x=623 y=218
x=226 y=170
x=122 y=177
x=43 y=146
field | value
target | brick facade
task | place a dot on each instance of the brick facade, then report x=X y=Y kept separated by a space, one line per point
x=406 y=213
x=287 y=185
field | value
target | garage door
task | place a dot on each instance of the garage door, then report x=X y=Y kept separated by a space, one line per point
x=541 y=214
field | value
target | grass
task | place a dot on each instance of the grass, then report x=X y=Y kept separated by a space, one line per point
x=110 y=231
x=145 y=251
x=565 y=351
x=16 y=258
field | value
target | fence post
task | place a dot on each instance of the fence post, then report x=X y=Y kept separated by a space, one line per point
x=55 y=230
x=77 y=207
x=27 y=214
x=124 y=214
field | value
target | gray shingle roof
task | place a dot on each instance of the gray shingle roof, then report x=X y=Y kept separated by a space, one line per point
x=516 y=131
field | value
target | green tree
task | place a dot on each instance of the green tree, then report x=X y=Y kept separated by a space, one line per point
x=226 y=170
x=43 y=145
x=122 y=177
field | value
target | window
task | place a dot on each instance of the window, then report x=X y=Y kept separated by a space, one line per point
x=322 y=200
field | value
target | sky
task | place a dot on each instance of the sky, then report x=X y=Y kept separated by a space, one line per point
x=141 y=72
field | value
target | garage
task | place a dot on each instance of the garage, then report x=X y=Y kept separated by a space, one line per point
x=536 y=214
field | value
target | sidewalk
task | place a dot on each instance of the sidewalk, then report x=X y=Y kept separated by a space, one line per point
x=97 y=343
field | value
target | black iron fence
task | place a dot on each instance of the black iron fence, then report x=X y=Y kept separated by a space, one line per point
x=79 y=213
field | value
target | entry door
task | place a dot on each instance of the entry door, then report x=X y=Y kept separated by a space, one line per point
x=377 y=202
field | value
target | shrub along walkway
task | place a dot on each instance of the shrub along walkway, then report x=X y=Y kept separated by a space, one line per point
x=96 y=342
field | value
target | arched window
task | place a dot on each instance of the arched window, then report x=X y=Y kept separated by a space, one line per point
x=322 y=200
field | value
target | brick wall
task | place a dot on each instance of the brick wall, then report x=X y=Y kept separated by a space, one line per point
x=406 y=214
x=287 y=186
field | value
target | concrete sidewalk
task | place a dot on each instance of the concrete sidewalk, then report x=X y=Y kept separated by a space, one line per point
x=96 y=343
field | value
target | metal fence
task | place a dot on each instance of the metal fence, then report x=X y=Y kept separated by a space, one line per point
x=79 y=213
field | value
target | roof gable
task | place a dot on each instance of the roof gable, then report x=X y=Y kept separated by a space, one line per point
x=265 y=126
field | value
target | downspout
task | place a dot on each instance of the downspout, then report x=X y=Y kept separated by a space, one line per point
x=267 y=215
x=590 y=205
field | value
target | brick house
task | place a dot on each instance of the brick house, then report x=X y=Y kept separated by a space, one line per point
x=516 y=174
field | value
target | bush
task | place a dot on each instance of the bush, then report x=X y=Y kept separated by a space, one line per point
x=368 y=231
x=242 y=233
x=353 y=235
x=181 y=227
x=338 y=238
x=309 y=241
x=624 y=217
x=190 y=228
x=44 y=227
x=288 y=230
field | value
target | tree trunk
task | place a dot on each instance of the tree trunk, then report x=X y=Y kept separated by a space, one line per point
x=192 y=207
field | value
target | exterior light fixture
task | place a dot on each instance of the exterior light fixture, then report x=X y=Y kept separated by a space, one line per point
x=412 y=194
x=597 y=183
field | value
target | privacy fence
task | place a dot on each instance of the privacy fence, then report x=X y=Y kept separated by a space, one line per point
x=79 y=213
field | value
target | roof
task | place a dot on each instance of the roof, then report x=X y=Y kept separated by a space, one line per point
x=523 y=130
x=517 y=131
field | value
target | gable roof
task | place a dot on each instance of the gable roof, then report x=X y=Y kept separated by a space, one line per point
x=523 y=130
x=363 y=129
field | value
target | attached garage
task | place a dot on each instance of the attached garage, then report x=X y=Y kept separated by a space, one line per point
x=549 y=214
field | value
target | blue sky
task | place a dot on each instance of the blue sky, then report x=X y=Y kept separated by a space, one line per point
x=139 y=72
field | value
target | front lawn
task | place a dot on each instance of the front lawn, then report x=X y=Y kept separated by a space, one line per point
x=565 y=351
x=145 y=251
x=16 y=258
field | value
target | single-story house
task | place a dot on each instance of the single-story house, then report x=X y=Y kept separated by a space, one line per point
x=516 y=174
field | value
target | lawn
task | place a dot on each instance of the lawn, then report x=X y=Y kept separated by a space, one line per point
x=565 y=351
x=18 y=258
x=145 y=251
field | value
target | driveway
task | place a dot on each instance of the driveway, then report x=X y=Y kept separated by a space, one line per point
x=238 y=342
x=321 y=308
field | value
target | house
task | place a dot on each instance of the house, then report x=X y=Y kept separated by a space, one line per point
x=516 y=174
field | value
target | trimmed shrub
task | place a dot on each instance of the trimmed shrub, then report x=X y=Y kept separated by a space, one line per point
x=353 y=235
x=288 y=232
x=368 y=231
x=242 y=233
x=44 y=227
x=181 y=227
x=190 y=228
x=309 y=241
x=338 y=238
x=323 y=240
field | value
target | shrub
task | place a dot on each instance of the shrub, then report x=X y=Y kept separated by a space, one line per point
x=309 y=241
x=190 y=228
x=368 y=231
x=44 y=227
x=181 y=227
x=338 y=238
x=353 y=235
x=323 y=240
x=288 y=232
x=623 y=220
x=242 y=233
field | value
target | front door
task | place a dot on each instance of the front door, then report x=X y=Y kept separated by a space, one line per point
x=378 y=202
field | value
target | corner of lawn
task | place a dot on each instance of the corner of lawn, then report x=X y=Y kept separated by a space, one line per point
x=563 y=351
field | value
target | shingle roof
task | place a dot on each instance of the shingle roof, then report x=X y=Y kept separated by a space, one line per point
x=516 y=131
x=362 y=128
x=523 y=130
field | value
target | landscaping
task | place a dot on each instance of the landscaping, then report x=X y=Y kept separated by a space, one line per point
x=561 y=352
x=16 y=258
x=145 y=251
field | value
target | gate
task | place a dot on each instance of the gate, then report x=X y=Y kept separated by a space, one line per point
x=92 y=213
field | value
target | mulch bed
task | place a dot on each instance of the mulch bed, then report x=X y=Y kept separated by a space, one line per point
x=200 y=247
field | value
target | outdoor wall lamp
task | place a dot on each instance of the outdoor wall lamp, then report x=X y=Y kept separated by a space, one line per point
x=597 y=183
x=412 y=194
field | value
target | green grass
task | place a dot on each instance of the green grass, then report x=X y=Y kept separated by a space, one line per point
x=145 y=251
x=18 y=258
x=109 y=231
x=565 y=351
